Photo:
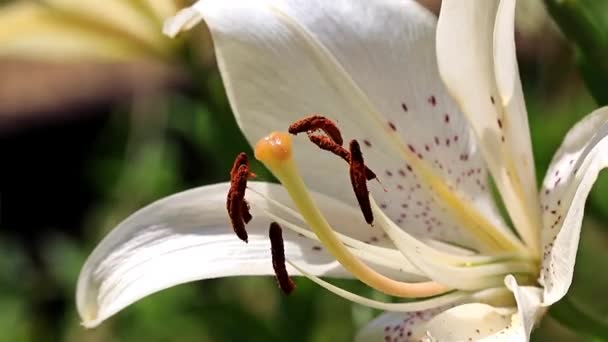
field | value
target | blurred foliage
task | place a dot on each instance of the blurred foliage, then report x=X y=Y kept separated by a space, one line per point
x=585 y=23
x=69 y=182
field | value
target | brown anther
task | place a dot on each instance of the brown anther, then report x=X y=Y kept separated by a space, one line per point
x=327 y=144
x=245 y=212
x=278 y=258
x=241 y=159
x=359 y=181
x=316 y=122
x=237 y=206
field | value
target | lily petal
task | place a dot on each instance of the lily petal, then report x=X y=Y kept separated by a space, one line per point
x=476 y=56
x=398 y=326
x=340 y=59
x=572 y=173
x=187 y=237
x=528 y=304
x=128 y=18
x=466 y=322
x=481 y=322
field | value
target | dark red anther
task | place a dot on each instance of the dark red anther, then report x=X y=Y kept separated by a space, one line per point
x=236 y=201
x=245 y=212
x=241 y=159
x=278 y=258
x=237 y=206
x=316 y=122
x=327 y=144
x=359 y=181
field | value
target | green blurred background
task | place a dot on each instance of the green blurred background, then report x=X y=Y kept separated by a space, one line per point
x=100 y=115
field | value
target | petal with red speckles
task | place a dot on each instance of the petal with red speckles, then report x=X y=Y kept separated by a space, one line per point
x=379 y=84
x=570 y=177
x=476 y=57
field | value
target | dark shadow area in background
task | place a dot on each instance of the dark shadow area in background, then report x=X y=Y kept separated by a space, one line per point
x=43 y=188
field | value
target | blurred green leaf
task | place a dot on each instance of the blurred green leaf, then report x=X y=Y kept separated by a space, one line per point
x=585 y=23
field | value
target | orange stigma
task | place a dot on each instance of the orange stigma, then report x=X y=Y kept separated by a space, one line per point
x=275 y=147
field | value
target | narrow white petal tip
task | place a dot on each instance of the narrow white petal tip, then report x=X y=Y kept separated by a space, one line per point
x=91 y=324
x=182 y=21
x=90 y=317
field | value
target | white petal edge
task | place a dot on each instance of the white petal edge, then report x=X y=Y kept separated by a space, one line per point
x=512 y=98
x=570 y=177
x=481 y=322
x=187 y=237
x=183 y=20
x=529 y=306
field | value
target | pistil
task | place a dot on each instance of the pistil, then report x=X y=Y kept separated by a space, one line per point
x=275 y=151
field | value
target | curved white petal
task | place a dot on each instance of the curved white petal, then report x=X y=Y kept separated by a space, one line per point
x=187 y=237
x=476 y=56
x=481 y=322
x=397 y=326
x=371 y=67
x=574 y=169
x=475 y=321
x=466 y=322
x=528 y=306
x=183 y=20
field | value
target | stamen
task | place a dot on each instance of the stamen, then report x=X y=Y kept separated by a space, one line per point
x=359 y=182
x=327 y=144
x=316 y=122
x=236 y=201
x=245 y=212
x=275 y=152
x=237 y=206
x=241 y=159
x=278 y=258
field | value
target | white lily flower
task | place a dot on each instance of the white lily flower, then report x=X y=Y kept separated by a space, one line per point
x=438 y=109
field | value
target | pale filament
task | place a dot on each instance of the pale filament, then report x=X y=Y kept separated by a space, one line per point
x=275 y=152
